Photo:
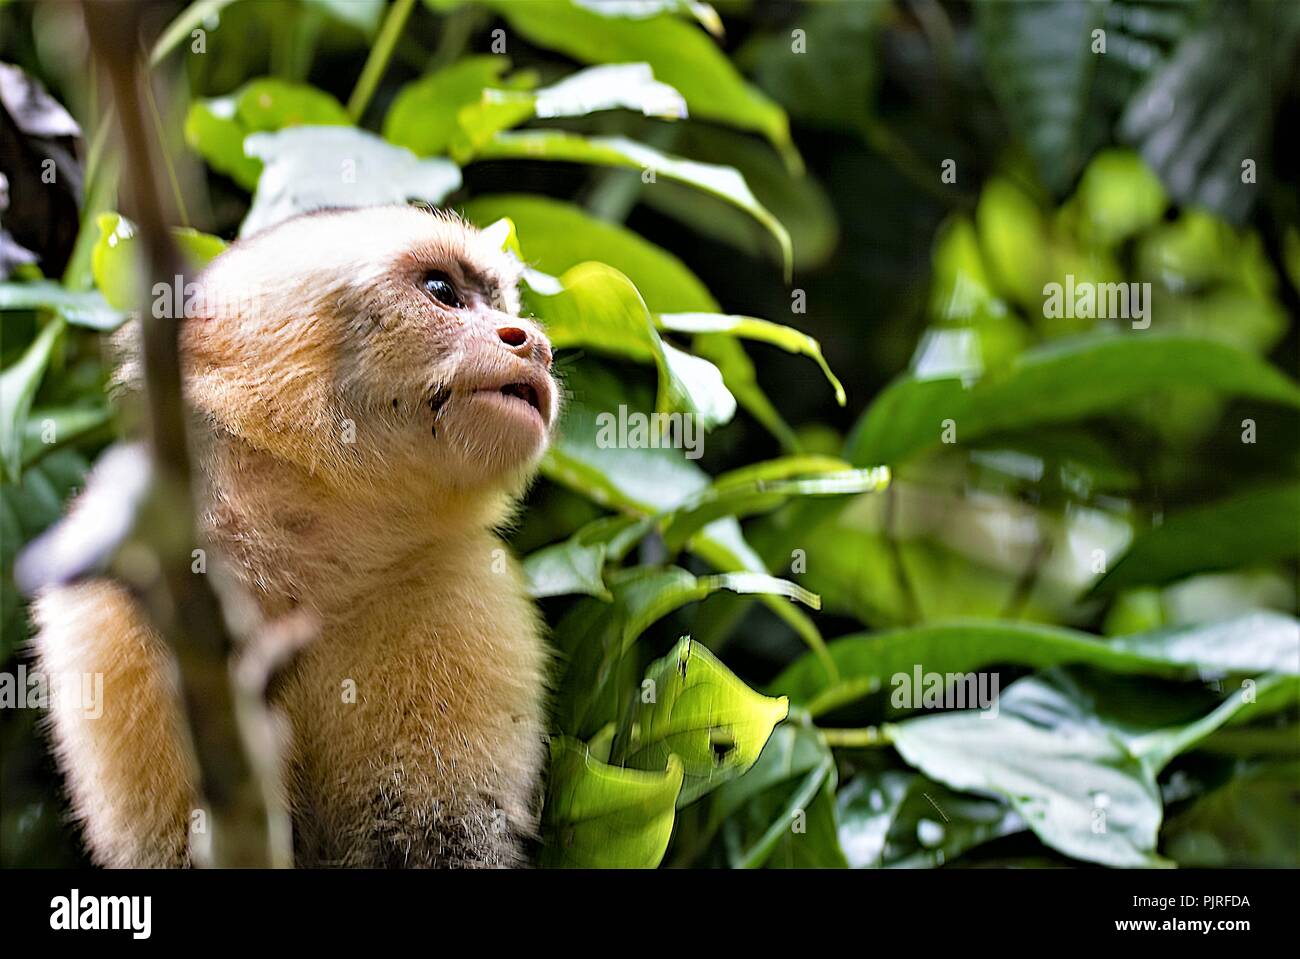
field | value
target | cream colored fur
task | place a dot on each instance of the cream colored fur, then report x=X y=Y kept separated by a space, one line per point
x=357 y=462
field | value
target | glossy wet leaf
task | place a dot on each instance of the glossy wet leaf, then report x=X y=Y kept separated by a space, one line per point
x=593 y=305
x=117 y=260
x=867 y=662
x=722 y=182
x=307 y=168
x=424 y=115
x=702 y=714
x=86 y=308
x=1057 y=382
x=680 y=54
x=558 y=235
x=18 y=385
x=216 y=128
x=1249 y=528
x=602 y=816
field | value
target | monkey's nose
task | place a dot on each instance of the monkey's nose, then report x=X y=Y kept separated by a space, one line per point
x=524 y=343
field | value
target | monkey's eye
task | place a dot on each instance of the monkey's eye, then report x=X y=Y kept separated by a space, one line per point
x=438 y=286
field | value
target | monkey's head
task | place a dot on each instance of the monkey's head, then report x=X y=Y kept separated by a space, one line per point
x=374 y=346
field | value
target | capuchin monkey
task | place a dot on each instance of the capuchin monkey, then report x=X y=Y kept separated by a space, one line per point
x=368 y=407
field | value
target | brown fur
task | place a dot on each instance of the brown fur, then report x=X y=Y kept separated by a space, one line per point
x=351 y=471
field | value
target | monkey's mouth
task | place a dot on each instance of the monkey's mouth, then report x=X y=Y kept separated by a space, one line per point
x=525 y=392
x=528 y=399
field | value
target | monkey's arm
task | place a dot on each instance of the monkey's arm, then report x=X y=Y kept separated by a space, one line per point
x=128 y=769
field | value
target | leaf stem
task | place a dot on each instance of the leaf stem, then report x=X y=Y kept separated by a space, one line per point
x=863 y=737
x=380 y=54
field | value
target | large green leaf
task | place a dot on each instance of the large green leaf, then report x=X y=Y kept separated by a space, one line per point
x=723 y=182
x=799 y=202
x=596 y=306
x=595 y=637
x=831 y=81
x=216 y=128
x=641 y=479
x=1059 y=96
x=1251 y=820
x=867 y=662
x=1071 y=781
x=577 y=564
x=781 y=812
x=1060 y=381
x=748 y=492
x=77 y=307
x=18 y=384
x=307 y=168
x=692 y=707
x=630 y=86
x=680 y=55
x=424 y=115
x=1251 y=528
x=117 y=261
x=901 y=819
x=559 y=235
x=1076 y=756
x=1210 y=106
x=602 y=816
x=747 y=327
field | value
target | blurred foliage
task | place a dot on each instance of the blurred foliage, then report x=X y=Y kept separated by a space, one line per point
x=1102 y=516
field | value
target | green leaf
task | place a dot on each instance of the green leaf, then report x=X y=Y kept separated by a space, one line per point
x=362 y=14
x=76 y=307
x=700 y=713
x=903 y=820
x=868 y=662
x=791 y=781
x=1081 y=772
x=559 y=235
x=801 y=833
x=1251 y=528
x=831 y=81
x=1211 y=104
x=307 y=168
x=595 y=636
x=1119 y=197
x=577 y=564
x=702 y=12
x=747 y=327
x=116 y=261
x=596 y=306
x=799 y=202
x=1060 y=774
x=629 y=86
x=18 y=384
x=423 y=117
x=1059 y=95
x=1060 y=381
x=216 y=128
x=49 y=429
x=641 y=479
x=1252 y=820
x=748 y=492
x=723 y=182
x=681 y=56
x=602 y=816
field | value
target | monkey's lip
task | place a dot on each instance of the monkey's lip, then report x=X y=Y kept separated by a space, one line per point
x=522 y=394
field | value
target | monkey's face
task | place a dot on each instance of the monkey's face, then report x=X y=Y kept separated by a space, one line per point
x=376 y=346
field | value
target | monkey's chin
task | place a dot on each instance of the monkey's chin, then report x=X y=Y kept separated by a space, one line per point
x=505 y=411
x=498 y=440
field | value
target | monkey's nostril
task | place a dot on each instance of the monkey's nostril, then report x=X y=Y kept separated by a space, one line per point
x=512 y=336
